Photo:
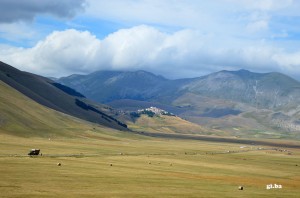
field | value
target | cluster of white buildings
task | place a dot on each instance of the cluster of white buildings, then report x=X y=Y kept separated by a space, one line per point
x=155 y=110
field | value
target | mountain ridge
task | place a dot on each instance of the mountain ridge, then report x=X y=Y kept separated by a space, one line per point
x=129 y=85
x=227 y=100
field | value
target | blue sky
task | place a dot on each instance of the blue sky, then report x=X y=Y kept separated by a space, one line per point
x=172 y=38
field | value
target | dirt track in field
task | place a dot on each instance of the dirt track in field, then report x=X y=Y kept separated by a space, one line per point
x=219 y=139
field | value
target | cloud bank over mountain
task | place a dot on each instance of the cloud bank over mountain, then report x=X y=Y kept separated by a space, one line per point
x=184 y=52
x=172 y=38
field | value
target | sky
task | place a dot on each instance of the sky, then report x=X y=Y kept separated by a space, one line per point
x=172 y=38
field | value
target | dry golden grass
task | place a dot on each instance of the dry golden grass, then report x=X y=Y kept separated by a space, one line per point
x=119 y=164
x=169 y=124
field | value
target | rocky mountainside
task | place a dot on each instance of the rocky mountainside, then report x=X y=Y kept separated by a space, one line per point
x=230 y=100
x=269 y=90
x=107 y=86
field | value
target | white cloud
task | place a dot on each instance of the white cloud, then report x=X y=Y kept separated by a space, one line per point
x=290 y=61
x=185 y=52
x=17 y=32
x=240 y=18
x=133 y=47
x=60 y=53
x=257 y=26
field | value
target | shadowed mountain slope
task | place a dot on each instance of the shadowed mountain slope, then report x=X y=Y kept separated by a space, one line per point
x=22 y=116
x=107 y=86
x=56 y=96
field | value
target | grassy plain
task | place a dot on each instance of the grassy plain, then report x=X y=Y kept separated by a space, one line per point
x=101 y=162
x=119 y=164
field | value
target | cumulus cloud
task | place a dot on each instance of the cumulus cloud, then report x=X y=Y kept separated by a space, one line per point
x=141 y=47
x=247 y=18
x=16 y=10
x=60 y=53
x=184 y=53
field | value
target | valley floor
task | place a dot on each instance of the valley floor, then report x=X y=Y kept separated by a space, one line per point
x=120 y=164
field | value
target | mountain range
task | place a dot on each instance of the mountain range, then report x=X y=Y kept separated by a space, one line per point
x=237 y=101
x=269 y=90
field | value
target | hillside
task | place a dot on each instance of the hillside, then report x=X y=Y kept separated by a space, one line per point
x=262 y=90
x=56 y=96
x=170 y=124
x=254 y=103
x=268 y=90
x=22 y=116
x=108 y=86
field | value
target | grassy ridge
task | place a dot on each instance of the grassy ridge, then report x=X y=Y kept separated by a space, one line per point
x=22 y=116
x=169 y=124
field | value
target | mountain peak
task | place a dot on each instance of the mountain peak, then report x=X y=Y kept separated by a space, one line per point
x=237 y=72
x=107 y=86
x=242 y=73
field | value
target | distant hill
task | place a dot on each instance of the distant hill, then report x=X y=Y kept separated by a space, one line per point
x=56 y=96
x=240 y=101
x=169 y=124
x=269 y=90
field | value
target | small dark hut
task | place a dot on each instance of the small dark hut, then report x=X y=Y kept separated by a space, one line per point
x=34 y=152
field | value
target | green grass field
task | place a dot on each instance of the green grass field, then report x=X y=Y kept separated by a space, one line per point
x=120 y=164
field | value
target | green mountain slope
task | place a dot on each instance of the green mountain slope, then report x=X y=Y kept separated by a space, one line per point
x=23 y=117
x=56 y=96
